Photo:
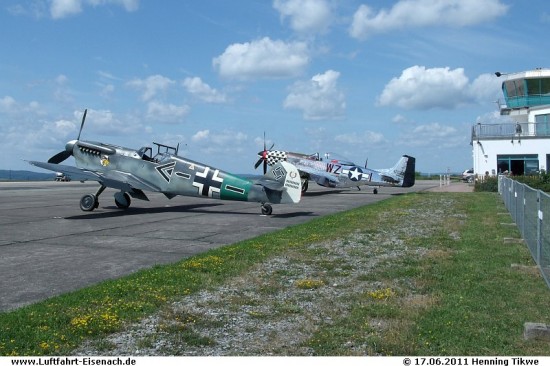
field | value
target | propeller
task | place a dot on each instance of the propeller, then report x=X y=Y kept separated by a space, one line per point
x=63 y=155
x=263 y=157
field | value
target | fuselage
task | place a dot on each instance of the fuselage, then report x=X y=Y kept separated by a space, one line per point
x=337 y=173
x=170 y=174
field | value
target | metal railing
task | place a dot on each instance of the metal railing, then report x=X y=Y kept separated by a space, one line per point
x=530 y=210
x=510 y=130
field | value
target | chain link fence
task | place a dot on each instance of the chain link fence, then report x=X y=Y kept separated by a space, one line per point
x=530 y=210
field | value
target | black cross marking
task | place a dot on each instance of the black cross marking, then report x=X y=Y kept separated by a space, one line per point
x=208 y=182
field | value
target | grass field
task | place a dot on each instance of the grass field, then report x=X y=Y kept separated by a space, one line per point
x=418 y=274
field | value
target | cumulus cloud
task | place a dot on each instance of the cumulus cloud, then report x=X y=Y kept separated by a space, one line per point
x=7 y=104
x=64 y=8
x=151 y=86
x=318 y=98
x=424 y=13
x=434 y=135
x=203 y=91
x=422 y=88
x=264 y=58
x=367 y=137
x=166 y=112
x=305 y=16
x=226 y=141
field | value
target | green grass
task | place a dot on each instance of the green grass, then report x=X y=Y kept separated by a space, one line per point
x=462 y=297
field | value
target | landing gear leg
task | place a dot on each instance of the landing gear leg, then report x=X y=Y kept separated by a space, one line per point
x=89 y=202
x=266 y=209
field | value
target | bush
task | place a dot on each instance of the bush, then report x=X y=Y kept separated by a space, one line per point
x=540 y=181
x=490 y=184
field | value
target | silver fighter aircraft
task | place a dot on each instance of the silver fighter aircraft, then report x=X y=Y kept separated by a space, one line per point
x=131 y=172
x=337 y=172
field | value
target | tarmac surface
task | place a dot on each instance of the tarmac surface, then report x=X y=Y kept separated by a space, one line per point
x=48 y=246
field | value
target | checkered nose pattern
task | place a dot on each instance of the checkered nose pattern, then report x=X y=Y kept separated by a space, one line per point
x=274 y=156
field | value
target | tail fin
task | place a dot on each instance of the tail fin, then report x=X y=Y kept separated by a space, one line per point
x=404 y=169
x=282 y=183
x=292 y=192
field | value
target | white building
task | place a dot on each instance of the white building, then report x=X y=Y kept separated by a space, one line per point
x=523 y=146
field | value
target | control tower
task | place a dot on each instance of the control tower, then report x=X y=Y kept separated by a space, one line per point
x=521 y=146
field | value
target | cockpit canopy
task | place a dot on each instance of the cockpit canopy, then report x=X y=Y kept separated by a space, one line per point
x=163 y=152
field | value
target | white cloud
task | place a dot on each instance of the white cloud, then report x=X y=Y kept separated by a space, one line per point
x=151 y=86
x=7 y=104
x=424 y=13
x=200 y=136
x=434 y=135
x=318 y=98
x=264 y=58
x=306 y=16
x=203 y=91
x=367 y=137
x=421 y=88
x=486 y=88
x=226 y=141
x=106 y=123
x=64 y=8
x=166 y=112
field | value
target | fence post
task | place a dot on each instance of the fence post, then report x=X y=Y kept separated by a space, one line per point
x=539 y=226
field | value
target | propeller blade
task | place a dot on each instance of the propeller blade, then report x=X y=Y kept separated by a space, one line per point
x=258 y=163
x=82 y=124
x=59 y=157
x=265 y=166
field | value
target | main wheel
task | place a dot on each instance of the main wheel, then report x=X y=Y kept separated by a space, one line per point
x=88 y=202
x=375 y=191
x=267 y=209
x=304 y=185
x=122 y=200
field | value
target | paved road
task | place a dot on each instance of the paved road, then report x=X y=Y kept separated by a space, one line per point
x=48 y=246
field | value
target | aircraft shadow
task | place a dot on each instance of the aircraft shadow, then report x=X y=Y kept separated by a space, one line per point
x=323 y=193
x=196 y=208
x=116 y=212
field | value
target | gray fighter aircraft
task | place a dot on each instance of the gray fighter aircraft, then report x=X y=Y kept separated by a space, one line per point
x=337 y=172
x=131 y=172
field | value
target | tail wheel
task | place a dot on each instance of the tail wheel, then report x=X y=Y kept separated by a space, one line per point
x=267 y=209
x=88 y=202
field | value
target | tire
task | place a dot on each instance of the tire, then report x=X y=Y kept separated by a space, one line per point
x=122 y=200
x=305 y=184
x=88 y=202
x=267 y=210
x=375 y=191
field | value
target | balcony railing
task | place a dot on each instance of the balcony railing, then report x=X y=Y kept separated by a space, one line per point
x=510 y=130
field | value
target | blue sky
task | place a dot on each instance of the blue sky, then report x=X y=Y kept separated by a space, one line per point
x=365 y=79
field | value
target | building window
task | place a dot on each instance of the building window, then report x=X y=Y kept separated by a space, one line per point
x=518 y=164
x=542 y=124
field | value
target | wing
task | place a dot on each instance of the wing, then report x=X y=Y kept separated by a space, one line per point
x=112 y=178
x=318 y=175
x=71 y=171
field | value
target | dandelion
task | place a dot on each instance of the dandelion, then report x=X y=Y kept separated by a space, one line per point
x=309 y=284
x=381 y=294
